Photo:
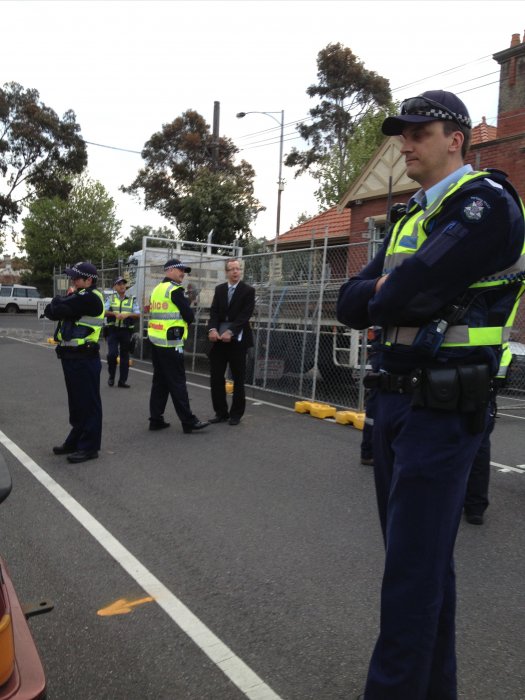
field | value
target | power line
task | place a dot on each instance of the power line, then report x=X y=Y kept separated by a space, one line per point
x=272 y=140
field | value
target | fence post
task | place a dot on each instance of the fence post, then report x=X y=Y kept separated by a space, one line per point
x=320 y=313
x=306 y=306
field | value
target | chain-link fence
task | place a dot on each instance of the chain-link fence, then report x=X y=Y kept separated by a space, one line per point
x=300 y=350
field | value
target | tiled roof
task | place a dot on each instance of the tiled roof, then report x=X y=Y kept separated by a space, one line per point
x=330 y=222
x=484 y=132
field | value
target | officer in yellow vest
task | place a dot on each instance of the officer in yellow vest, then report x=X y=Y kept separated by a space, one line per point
x=444 y=288
x=121 y=314
x=170 y=314
x=80 y=317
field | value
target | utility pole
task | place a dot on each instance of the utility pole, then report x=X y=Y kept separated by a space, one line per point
x=215 y=136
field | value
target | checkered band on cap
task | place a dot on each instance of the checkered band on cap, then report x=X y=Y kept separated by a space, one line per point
x=178 y=266
x=82 y=273
x=441 y=114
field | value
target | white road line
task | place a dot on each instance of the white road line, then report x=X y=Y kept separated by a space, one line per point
x=510 y=415
x=507 y=468
x=222 y=656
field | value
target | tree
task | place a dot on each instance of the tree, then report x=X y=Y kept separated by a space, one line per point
x=221 y=202
x=38 y=151
x=133 y=241
x=181 y=163
x=57 y=232
x=335 y=174
x=347 y=91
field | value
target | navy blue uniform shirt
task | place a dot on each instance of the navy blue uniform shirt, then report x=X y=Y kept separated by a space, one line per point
x=459 y=251
x=74 y=306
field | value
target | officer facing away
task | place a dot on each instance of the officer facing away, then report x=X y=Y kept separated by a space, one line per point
x=121 y=312
x=170 y=315
x=444 y=288
x=80 y=317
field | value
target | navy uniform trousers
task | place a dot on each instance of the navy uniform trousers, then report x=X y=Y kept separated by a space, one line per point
x=169 y=379
x=119 y=337
x=422 y=462
x=82 y=376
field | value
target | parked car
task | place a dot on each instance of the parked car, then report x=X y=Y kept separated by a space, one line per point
x=18 y=297
x=21 y=672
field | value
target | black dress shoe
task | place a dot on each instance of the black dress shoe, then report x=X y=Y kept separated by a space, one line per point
x=219 y=419
x=111 y=381
x=123 y=385
x=234 y=421
x=199 y=425
x=474 y=518
x=64 y=449
x=82 y=456
x=158 y=424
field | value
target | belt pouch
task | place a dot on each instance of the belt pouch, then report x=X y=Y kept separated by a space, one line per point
x=475 y=394
x=440 y=389
x=475 y=387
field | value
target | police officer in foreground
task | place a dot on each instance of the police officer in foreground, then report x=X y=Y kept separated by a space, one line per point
x=443 y=288
x=80 y=317
x=170 y=315
x=121 y=312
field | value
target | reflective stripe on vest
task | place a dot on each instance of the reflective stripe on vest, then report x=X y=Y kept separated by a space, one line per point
x=94 y=323
x=504 y=364
x=409 y=235
x=164 y=314
x=118 y=305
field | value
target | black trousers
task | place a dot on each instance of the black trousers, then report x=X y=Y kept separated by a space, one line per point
x=118 y=338
x=82 y=378
x=221 y=355
x=477 y=496
x=169 y=379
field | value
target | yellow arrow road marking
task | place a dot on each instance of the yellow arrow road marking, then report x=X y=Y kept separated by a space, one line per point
x=123 y=606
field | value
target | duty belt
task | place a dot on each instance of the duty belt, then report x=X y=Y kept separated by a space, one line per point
x=397 y=383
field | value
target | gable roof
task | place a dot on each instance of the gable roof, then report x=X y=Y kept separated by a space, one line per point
x=332 y=223
x=373 y=183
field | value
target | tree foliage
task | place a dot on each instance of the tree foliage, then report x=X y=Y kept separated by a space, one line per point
x=336 y=175
x=194 y=183
x=221 y=202
x=347 y=91
x=57 y=232
x=38 y=151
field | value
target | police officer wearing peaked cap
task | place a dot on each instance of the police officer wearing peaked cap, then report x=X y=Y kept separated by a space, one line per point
x=444 y=288
x=170 y=316
x=80 y=317
x=121 y=312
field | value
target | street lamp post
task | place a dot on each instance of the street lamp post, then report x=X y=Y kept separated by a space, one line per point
x=280 y=183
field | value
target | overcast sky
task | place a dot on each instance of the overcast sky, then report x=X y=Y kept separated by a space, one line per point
x=128 y=67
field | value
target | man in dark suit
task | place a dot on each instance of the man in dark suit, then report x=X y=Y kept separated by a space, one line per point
x=230 y=333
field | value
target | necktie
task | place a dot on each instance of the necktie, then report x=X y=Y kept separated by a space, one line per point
x=231 y=290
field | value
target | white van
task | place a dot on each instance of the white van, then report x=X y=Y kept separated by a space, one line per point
x=17 y=297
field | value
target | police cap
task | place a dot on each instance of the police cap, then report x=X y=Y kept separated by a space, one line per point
x=84 y=270
x=174 y=263
x=430 y=106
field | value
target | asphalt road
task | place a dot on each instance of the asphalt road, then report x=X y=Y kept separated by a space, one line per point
x=261 y=541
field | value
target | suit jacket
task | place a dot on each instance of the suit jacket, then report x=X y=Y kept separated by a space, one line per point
x=237 y=315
